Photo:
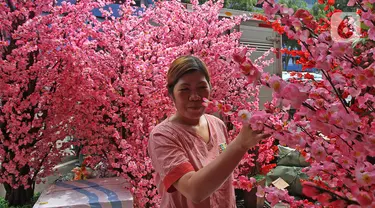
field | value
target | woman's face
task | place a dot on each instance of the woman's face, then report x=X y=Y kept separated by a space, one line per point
x=188 y=93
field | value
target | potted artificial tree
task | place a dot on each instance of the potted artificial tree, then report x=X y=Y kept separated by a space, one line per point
x=264 y=161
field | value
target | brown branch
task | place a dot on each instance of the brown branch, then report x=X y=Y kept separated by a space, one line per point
x=359 y=4
x=308 y=106
x=40 y=164
x=332 y=193
x=334 y=88
x=305 y=131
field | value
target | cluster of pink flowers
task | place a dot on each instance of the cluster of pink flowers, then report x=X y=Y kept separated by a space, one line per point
x=333 y=125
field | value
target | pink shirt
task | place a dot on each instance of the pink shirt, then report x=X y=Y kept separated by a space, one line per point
x=176 y=150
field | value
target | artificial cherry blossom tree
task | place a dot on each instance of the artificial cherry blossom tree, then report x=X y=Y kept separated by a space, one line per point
x=64 y=72
x=135 y=98
x=333 y=125
x=45 y=53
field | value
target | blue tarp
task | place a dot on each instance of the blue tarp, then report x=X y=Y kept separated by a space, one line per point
x=293 y=66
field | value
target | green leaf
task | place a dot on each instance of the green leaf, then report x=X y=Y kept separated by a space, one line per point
x=259 y=177
x=359 y=40
x=364 y=26
x=369 y=5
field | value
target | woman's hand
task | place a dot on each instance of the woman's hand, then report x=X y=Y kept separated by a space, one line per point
x=248 y=138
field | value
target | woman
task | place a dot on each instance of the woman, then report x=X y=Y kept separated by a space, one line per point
x=188 y=149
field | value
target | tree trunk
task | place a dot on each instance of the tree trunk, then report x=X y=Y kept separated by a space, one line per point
x=19 y=196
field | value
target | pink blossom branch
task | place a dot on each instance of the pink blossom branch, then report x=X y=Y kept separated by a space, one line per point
x=336 y=91
x=333 y=194
x=325 y=74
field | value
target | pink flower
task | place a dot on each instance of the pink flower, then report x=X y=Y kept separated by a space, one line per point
x=227 y=109
x=351 y=2
x=245 y=183
x=240 y=56
x=364 y=198
x=273 y=198
x=364 y=178
x=253 y=77
x=292 y=94
x=324 y=198
x=309 y=189
x=258 y=119
x=265 y=77
x=341 y=48
x=210 y=105
x=250 y=71
x=269 y=10
x=318 y=152
x=276 y=83
x=206 y=102
x=303 y=35
x=354 y=206
x=244 y=116
x=338 y=204
x=260 y=191
x=253 y=180
x=286 y=10
x=219 y=106
x=371 y=33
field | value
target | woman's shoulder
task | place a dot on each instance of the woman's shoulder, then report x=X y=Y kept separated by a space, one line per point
x=162 y=127
x=166 y=129
x=214 y=119
x=165 y=132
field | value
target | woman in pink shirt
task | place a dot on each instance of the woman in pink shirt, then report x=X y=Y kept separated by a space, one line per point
x=189 y=149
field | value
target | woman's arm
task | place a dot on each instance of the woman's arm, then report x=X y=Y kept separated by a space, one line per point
x=197 y=186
